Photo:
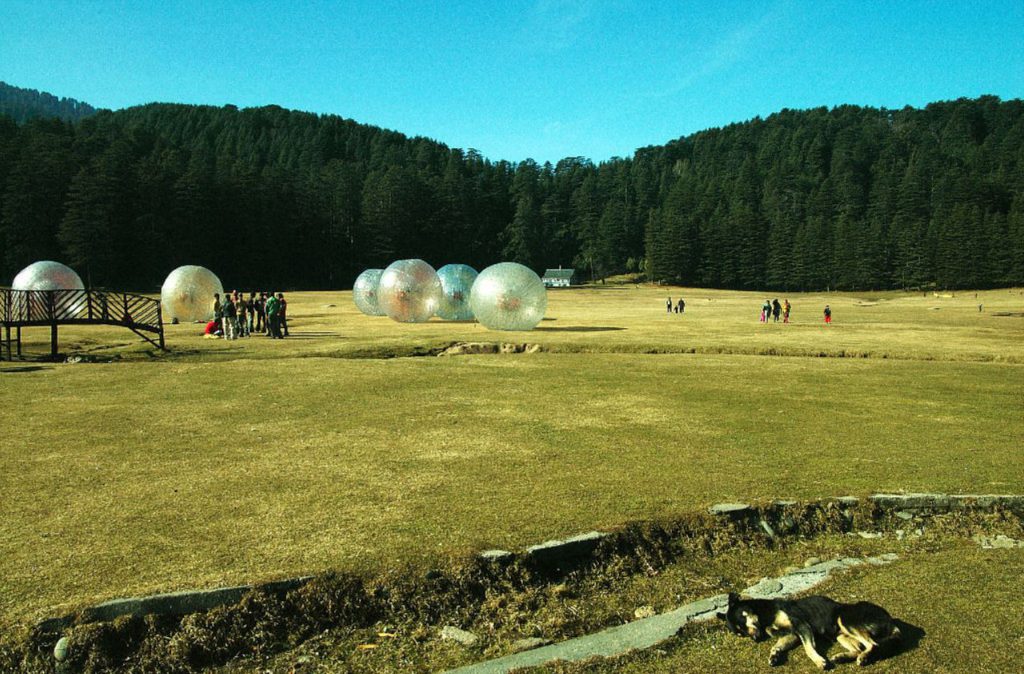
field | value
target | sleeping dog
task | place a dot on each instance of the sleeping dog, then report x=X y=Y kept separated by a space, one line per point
x=865 y=630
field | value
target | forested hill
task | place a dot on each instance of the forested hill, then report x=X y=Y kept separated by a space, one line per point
x=24 y=104
x=849 y=198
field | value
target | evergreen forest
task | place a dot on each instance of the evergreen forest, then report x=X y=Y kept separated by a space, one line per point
x=25 y=104
x=844 y=198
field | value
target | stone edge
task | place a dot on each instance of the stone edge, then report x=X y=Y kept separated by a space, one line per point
x=554 y=553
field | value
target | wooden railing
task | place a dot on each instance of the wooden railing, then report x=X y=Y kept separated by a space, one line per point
x=28 y=308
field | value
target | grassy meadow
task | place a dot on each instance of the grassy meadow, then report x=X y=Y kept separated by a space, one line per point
x=227 y=462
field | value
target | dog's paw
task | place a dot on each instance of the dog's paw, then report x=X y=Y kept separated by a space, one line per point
x=863 y=660
x=775 y=658
x=826 y=665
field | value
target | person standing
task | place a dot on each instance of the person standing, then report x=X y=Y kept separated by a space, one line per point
x=681 y=306
x=766 y=311
x=261 y=313
x=273 y=328
x=250 y=312
x=828 y=315
x=668 y=305
x=283 y=313
x=230 y=318
x=243 y=316
x=776 y=309
x=785 y=312
x=218 y=312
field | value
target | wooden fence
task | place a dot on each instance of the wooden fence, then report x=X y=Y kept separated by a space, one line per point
x=31 y=308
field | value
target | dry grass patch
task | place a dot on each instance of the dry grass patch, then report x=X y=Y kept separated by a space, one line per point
x=127 y=478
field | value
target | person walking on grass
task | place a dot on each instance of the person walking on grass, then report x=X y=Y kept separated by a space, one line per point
x=668 y=305
x=828 y=315
x=766 y=311
x=681 y=306
x=776 y=309
x=785 y=311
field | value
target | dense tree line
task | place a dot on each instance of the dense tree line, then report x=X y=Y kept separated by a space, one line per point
x=24 y=104
x=849 y=198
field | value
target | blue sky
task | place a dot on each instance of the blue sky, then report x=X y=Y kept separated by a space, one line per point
x=543 y=79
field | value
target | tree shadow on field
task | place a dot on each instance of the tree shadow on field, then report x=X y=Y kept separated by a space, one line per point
x=23 y=368
x=582 y=328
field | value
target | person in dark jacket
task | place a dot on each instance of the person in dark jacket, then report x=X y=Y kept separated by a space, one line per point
x=283 y=313
x=230 y=318
x=261 y=313
x=776 y=309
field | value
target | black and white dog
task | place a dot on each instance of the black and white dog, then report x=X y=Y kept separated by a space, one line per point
x=865 y=630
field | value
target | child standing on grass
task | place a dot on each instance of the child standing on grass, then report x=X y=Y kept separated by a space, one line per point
x=785 y=312
x=828 y=315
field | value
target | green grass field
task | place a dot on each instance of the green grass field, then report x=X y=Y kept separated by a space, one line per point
x=221 y=462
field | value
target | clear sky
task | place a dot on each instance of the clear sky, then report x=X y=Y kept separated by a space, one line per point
x=514 y=79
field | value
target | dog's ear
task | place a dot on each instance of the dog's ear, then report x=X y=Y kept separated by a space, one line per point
x=721 y=616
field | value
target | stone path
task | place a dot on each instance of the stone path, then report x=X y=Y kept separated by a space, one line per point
x=647 y=632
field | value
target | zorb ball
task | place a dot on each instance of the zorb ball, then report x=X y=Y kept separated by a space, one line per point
x=364 y=292
x=187 y=294
x=49 y=275
x=508 y=296
x=409 y=291
x=456 y=283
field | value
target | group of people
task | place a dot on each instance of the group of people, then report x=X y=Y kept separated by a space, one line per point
x=236 y=316
x=772 y=309
x=679 y=307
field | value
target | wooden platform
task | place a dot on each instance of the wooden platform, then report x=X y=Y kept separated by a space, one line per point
x=39 y=308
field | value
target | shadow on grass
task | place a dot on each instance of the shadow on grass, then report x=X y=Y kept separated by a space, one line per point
x=912 y=635
x=24 y=368
x=310 y=335
x=582 y=328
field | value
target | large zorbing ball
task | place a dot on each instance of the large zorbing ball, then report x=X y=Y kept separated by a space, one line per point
x=49 y=275
x=409 y=291
x=508 y=296
x=364 y=292
x=187 y=294
x=456 y=283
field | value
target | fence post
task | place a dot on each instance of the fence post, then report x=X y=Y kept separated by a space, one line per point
x=160 y=323
x=53 y=322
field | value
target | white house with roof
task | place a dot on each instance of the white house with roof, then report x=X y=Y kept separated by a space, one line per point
x=559 y=278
